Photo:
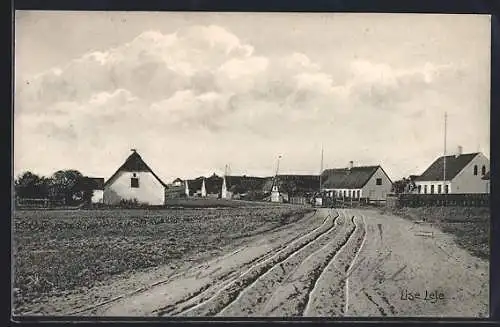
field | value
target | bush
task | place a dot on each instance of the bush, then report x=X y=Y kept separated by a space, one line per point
x=131 y=204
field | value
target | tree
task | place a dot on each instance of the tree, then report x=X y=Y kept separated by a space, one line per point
x=70 y=186
x=405 y=185
x=31 y=186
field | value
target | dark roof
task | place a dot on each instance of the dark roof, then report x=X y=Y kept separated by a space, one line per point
x=486 y=176
x=195 y=184
x=454 y=165
x=94 y=183
x=243 y=184
x=213 y=184
x=356 y=177
x=134 y=163
x=177 y=180
x=294 y=184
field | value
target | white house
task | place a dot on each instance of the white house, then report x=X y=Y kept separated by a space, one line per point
x=368 y=182
x=464 y=174
x=134 y=180
x=177 y=182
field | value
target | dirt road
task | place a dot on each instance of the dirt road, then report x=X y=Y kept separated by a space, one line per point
x=336 y=263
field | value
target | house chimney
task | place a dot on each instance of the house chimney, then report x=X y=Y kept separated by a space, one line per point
x=459 y=151
x=351 y=164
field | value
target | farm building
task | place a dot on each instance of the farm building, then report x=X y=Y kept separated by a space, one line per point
x=367 y=182
x=459 y=173
x=134 y=180
x=204 y=186
x=235 y=187
x=291 y=188
x=96 y=184
x=177 y=182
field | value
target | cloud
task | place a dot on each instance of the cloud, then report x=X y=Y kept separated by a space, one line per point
x=203 y=80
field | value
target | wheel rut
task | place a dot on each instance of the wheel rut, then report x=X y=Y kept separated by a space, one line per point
x=293 y=298
x=229 y=293
x=254 y=298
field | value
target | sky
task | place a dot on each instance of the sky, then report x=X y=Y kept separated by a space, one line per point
x=194 y=92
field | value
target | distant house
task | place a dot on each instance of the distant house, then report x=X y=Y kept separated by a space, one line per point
x=134 y=180
x=486 y=179
x=356 y=182
x=234 y=187
x=96 y=184
x=464 y=173
x=284 y=187
x=177 y=182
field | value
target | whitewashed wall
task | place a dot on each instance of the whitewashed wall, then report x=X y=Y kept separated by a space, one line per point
x=436 y=186
x=467 y=182
x=97 y=196
x=373 y=191
x=150 y=190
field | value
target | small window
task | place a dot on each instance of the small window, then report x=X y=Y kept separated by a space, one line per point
x=420 y=189
x=439 y=189
x=432 y=189
x=359 y=194
x=483 y=170
x=475 y=170
x=345 y=194
x=379 y=181
x=446 y=189
x=425 y=189
x=350 y=193
x=134 y=182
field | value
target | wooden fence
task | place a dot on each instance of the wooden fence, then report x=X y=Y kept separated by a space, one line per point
x=38 y=203
x=431 y=200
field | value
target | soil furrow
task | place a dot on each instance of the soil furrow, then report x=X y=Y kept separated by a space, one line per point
x=206 y=293
x=292 y=298
x=255 y=297
x=229 y=293
x=218 y=282
x=329 y=294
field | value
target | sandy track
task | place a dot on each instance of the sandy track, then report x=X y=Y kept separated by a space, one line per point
x=188 y=289
x=255 y=297
x=231 y=292
x=330 y=293
x=338 y=263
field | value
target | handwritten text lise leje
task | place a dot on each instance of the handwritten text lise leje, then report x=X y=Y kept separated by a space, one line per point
x=430 y=296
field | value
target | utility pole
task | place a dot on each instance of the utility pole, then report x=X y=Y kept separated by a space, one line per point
x=321 y=171
x=278 y=166
x=444 y=153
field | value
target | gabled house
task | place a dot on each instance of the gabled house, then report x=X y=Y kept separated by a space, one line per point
x=177 y=182
x=356 y=182
x=234 y=187
x=459 y=173
x=134 y=180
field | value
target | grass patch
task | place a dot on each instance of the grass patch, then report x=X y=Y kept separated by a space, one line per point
x=470 y=226
x=59 y=251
